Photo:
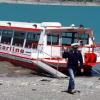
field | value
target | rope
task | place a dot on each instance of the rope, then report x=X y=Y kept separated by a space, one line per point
x=96 y=71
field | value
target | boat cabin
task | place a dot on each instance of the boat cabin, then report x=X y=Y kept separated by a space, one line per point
x=47 y=38
x=40 y=45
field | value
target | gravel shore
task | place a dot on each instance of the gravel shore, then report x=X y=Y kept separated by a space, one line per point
x=43 y=88
x=18 y=83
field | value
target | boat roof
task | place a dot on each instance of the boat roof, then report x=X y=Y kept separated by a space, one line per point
x=30 y=24
x=20 y=25
x=51 y=27
x=70 y=30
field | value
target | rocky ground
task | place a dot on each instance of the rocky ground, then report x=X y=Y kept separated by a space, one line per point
x=18 y=83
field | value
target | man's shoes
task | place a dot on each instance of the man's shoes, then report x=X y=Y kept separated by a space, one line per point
x=73 y=91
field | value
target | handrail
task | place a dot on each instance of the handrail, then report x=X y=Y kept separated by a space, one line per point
x=90 y=50
x=50 y=57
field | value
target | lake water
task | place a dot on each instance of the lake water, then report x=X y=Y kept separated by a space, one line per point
x=89 y=16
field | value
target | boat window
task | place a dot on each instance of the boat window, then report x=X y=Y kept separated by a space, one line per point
x=6 y=36
x=53 y=39
x=67 y=38
x=32 y=40
x=82 y=38
x=0 y=31
x=19 y=37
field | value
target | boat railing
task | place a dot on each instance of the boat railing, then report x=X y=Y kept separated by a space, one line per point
x=42 y=59
x=86 y=50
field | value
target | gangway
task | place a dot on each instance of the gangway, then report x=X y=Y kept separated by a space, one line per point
x=40 y=64
x=49 y=69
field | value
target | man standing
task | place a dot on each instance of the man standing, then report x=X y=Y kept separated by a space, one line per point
x=74 y=56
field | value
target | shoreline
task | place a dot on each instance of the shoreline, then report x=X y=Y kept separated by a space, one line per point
x=68 y=3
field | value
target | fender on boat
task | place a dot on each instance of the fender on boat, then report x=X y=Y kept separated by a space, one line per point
x=90 y=59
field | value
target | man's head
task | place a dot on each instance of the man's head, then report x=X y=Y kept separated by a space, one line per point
x=75 y=45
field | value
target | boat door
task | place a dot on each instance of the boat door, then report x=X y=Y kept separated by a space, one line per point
x=52 y=45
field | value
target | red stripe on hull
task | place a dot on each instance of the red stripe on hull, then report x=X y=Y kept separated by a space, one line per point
x=21 y=63
x=31 y=65
x=61 y=67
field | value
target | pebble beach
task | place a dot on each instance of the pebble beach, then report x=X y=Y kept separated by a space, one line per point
x=17 y=83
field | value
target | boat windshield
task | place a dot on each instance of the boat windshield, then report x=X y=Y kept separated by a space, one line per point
x=68 y=38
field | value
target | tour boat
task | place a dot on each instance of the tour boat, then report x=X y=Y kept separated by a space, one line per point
x=39 y=46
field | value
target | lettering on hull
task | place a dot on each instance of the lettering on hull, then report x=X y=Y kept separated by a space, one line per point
x=12 y=49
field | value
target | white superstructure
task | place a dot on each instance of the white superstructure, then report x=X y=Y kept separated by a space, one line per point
x=45 y=42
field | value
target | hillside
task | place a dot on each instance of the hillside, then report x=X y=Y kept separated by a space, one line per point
x=56 y=2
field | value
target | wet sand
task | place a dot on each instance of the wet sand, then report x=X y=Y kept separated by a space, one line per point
x=18 y=83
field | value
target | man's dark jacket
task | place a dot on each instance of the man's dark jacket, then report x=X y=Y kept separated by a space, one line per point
x=74 y=56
